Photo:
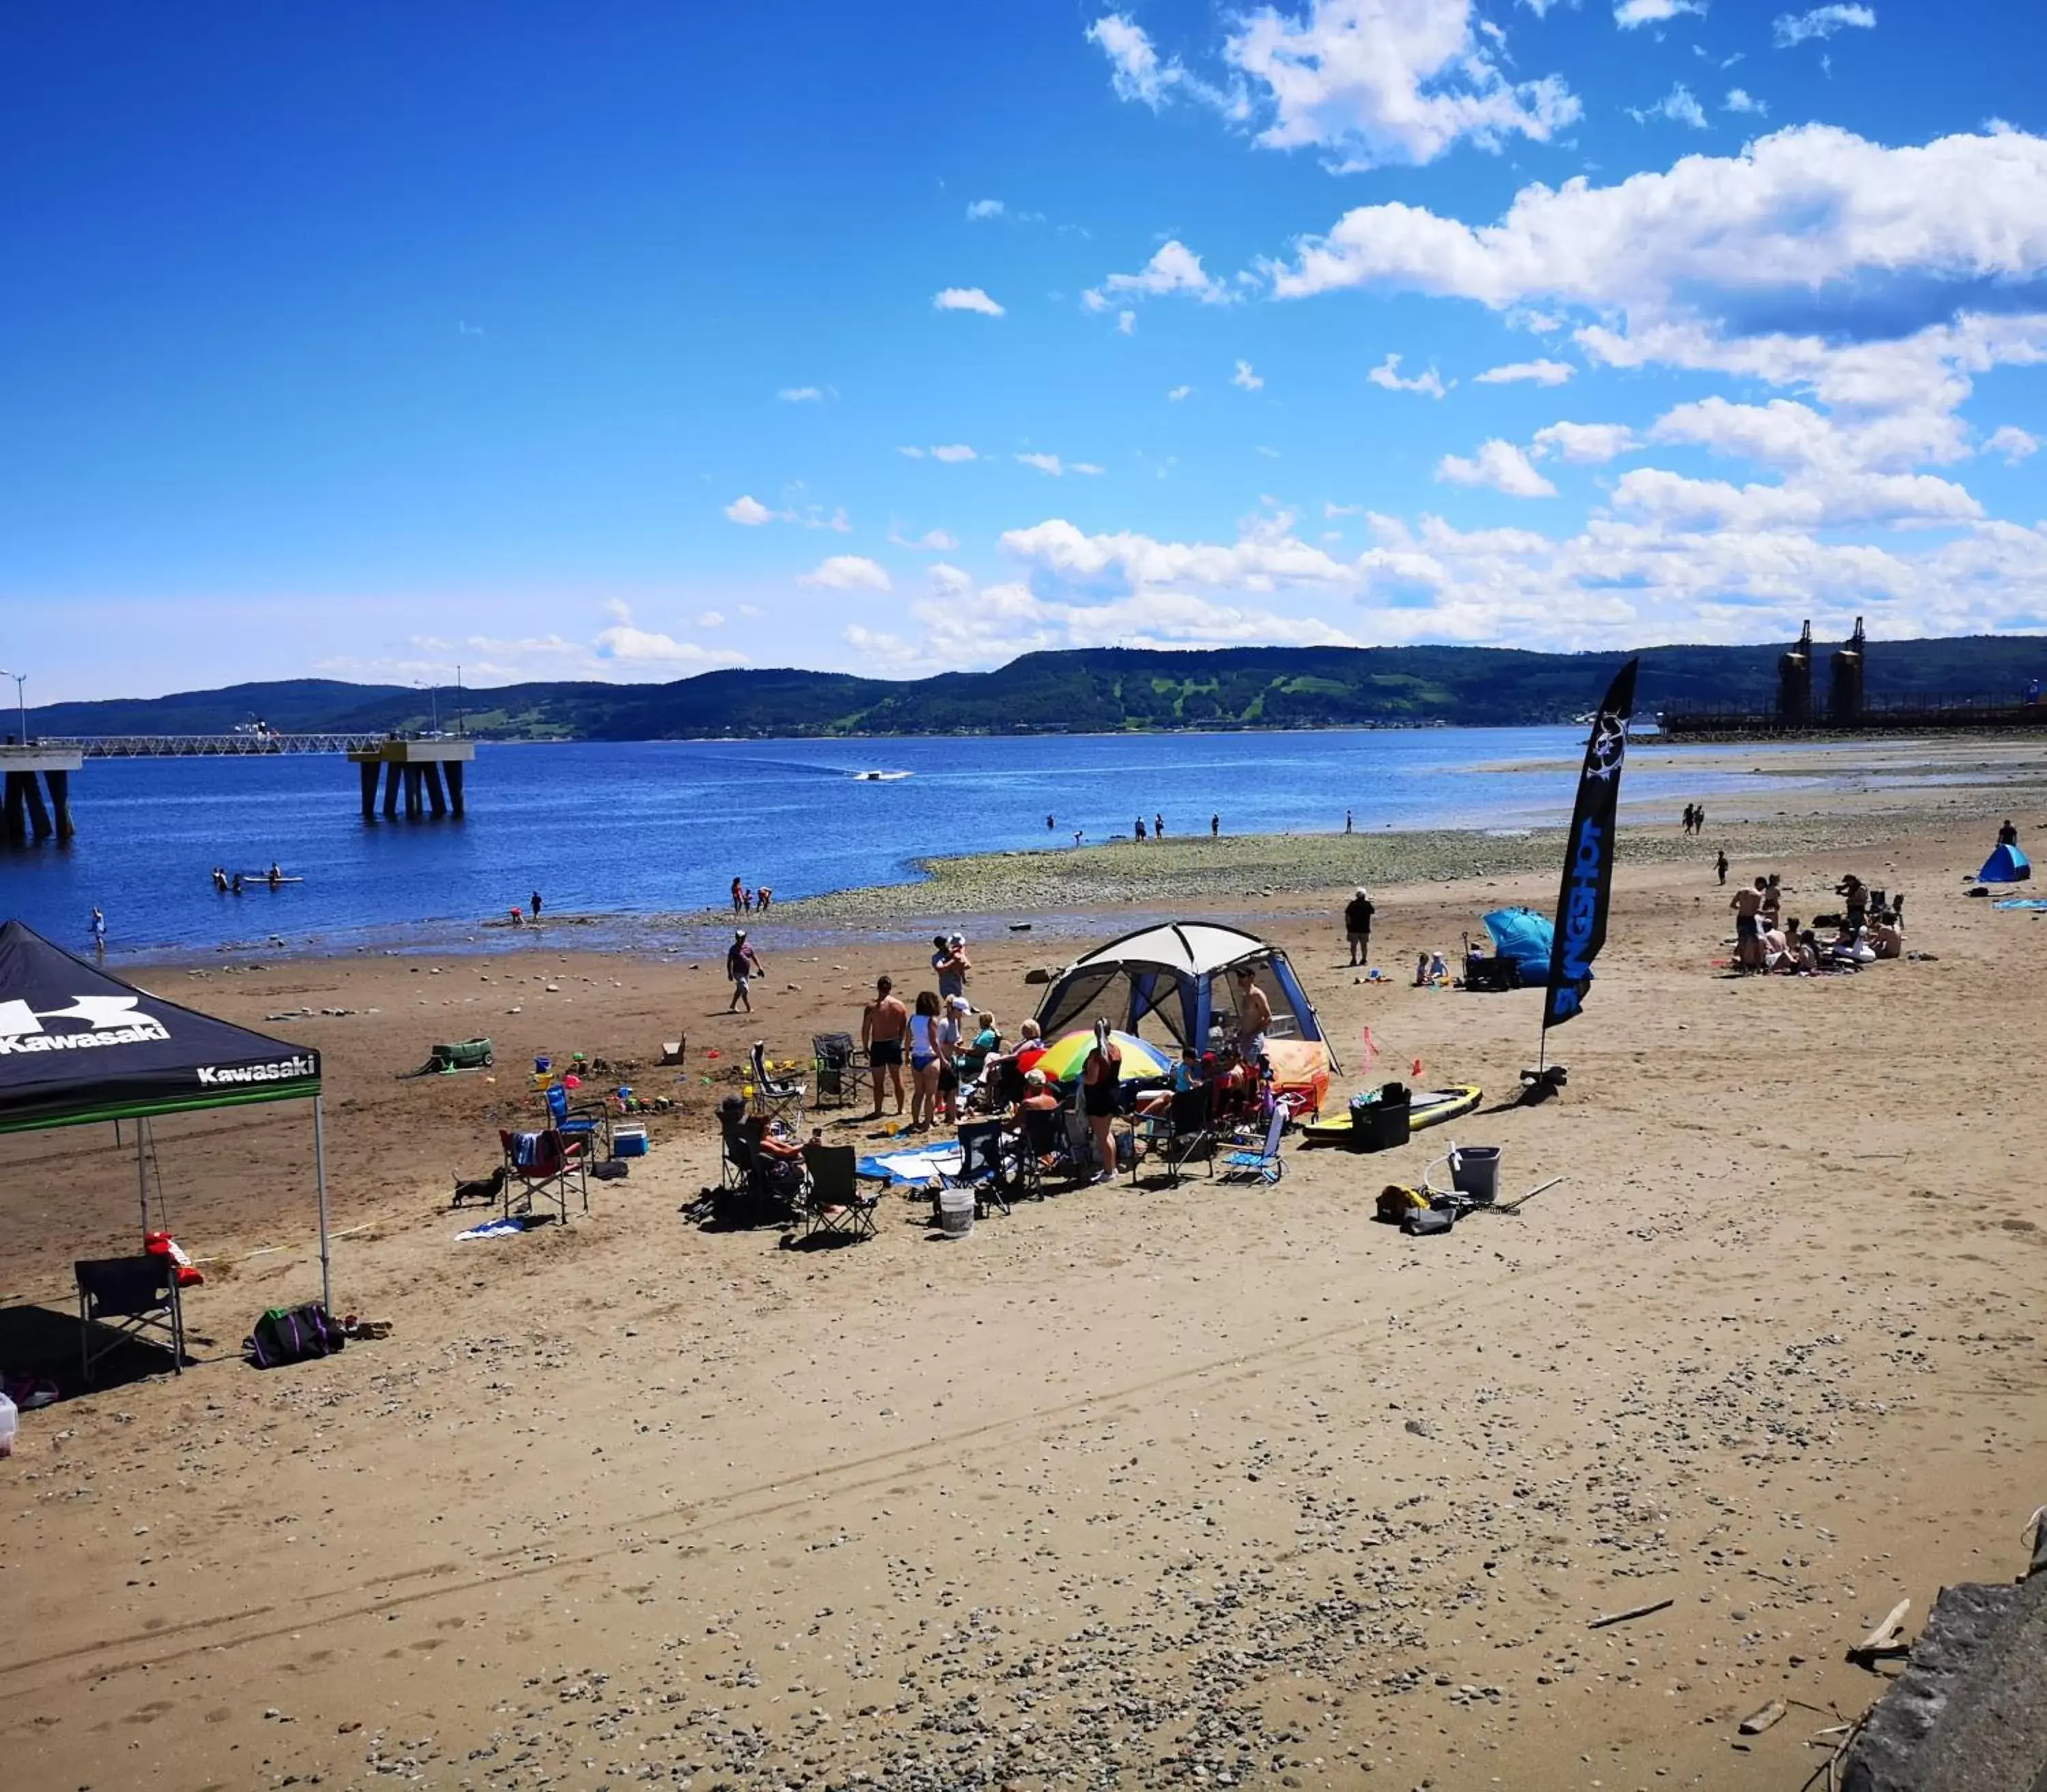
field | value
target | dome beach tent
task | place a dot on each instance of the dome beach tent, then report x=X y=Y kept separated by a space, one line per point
x=1177 y=979
x=78 y=1047
x=2007 y=865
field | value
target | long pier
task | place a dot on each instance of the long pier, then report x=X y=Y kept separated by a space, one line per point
x=421 y=778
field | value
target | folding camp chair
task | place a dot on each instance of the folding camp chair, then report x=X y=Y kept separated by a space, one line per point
x=835 y=1203
x=1010 y=1087
x=1264 y=1167
x=1176 y=1137
x=735 y=1160
x=127 y=1297
x=777 y=1097
x=586 y=1127
x=1043 y=1149
x=838 y=1065
x=981 y=1168
x=544 y=1166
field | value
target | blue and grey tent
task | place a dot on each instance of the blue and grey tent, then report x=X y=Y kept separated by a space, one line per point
x=2006 y=866
x=1526 y=939
x=1180 y=979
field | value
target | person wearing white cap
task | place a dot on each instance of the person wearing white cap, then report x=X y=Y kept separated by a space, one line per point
x=1357 y=924
x=742 y=964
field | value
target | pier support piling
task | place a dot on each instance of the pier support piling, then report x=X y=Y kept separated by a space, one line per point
x=453 y=769
x=429 y=772
x=436 y=796
x=393 y=774
x=39 y=814
x=59 y=783
x=16 y=820
x=369 y=769
x=414 y=808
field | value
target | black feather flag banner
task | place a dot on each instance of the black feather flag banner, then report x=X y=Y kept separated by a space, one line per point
x=1587 y=892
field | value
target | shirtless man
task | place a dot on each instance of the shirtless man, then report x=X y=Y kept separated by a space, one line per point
x=883 y=1023
x=1254 y=1016
x=1747 y=907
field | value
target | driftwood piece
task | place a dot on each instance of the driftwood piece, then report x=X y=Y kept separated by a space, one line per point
x=1756 y=1722
x=1887 y=1639
x=1632 y=1611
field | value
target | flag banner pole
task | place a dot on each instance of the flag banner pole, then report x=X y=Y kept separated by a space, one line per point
x=1586 y=894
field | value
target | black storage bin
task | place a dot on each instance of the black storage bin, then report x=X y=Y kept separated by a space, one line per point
x=1382 y=1125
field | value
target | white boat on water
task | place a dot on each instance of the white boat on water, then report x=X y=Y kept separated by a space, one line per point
x=879 y=777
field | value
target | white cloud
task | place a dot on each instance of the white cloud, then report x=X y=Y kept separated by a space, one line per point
x=749 y=511
x=1087 y=467
x=711 y=619
x=2015 y=444
x=1722 y=239
x=1044 y=463
x=847 y=572
x=1245 y=378
x=1375 y=82
x=1174 y=268
x=1537 y=373
x=1261 y=561
x=1586 y=444
x=1678 y=105
x=931 y=541
x=913 y=454
x=751 y=514
x=1136 y=72
x=953 y=452
x=1793 y=29
x=1499 y=464
x=801 y=395
x=978 y=209
x=1629 y=14
x=1126 y=323
x=967 y=298
x=1813 y=500
x=1386 y=374
x=1270 y=454
x=1179 y=393
x=1739 y=99
x=627 y=643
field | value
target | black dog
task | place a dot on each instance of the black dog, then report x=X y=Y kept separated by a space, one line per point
x=480 y=1188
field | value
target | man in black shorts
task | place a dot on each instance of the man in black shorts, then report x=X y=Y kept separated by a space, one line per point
x=883 y=1024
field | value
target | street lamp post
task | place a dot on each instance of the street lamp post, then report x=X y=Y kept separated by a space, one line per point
x=21 y=702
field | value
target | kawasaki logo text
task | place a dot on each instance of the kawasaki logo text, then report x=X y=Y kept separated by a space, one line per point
x=283 y=1071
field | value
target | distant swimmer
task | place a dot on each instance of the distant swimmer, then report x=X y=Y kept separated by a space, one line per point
x=236 y=886
x=220 y=879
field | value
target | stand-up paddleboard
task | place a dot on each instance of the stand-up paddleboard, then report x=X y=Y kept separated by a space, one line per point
x=1429 y=1107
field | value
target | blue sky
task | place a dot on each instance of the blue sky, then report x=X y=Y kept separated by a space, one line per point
x=629 y=341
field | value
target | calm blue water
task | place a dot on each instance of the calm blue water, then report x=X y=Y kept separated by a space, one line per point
x=661 y=828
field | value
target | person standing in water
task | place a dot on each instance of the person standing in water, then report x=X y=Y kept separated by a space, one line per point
x=534 y=901
x=99 y=931
x=1158 y=827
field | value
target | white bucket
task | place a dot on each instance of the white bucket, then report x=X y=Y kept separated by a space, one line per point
x=1475 y=1173
x=6 y=1425
x=956 y=1212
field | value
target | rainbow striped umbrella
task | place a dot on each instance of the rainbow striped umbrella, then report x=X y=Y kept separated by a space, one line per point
x=1066 y=1056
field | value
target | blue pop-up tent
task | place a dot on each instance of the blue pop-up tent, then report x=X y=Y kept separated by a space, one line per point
x=1525 y=938
x=2006 y=866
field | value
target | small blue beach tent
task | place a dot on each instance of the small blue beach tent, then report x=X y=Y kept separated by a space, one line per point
x=2006 y=866
x=1525 y=938
x=1180 y=976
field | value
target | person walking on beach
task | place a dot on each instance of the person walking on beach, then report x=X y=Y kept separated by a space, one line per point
x=738 y=895
x=1698 y=818
x=1158 y=827
x=1686 y=826
x=882 y=1023
x=1720 y=865
x=742 y=965
x=535 y=899
x=1347 y=828
x=1140 y=830
x=98 y=932
x=1215 y=826
x=1357 y=927
x=1102 y=1079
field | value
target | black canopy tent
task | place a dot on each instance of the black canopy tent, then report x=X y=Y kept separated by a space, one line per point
x=79 y=1046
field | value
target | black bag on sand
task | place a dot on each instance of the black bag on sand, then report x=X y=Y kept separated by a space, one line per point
x=1426 y=1222
x=293 y=1334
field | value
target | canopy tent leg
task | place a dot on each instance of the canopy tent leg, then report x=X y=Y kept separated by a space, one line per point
x=142 y=1170
x=319 y=1179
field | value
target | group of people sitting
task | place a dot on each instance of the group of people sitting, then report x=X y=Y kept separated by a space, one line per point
x=1870 y=926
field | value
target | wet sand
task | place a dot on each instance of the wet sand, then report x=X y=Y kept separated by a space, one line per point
x=1194 y=1487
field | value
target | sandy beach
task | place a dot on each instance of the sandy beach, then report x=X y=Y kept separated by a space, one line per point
x=1191 y=1487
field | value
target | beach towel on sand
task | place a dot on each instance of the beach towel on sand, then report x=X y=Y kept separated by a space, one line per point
x=918 y=1168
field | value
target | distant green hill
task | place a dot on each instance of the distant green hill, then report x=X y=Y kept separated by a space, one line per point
x=1087 y=690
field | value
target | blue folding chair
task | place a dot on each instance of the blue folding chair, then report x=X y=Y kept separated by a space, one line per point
x=1264 y=1167
x=582 y=1128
